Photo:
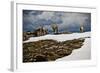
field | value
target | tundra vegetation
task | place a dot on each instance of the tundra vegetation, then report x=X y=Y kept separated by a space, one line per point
x=49 y=50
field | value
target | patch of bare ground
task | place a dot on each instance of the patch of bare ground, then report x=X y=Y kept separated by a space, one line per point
x=49 y=50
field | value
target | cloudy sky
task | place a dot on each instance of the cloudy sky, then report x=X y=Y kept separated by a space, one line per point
x=66 y=21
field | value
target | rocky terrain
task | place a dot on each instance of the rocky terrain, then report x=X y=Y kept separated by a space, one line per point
x=49 y=50
x=27 y=35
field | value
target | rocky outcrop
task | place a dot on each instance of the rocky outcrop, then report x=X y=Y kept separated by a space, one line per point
x=38 y=32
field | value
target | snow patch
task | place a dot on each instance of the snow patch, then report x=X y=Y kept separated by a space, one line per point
x=82 y=53
x=60 y=37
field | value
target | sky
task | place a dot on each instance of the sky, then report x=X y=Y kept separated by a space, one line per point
x=66 y=21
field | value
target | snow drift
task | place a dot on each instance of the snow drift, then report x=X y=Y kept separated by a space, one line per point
x=83 y=53
x=60 y=37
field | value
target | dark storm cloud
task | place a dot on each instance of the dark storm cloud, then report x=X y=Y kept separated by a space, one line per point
x=32 y=19
x=31 y=12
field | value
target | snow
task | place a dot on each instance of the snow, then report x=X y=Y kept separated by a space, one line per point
x=83 y=53
x=60 y=37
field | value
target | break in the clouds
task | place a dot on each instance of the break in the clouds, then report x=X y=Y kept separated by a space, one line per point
x=66 y=21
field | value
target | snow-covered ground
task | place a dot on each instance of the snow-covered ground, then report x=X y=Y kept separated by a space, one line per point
x=60 y=37
x=78 y=54
x=83 y=53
